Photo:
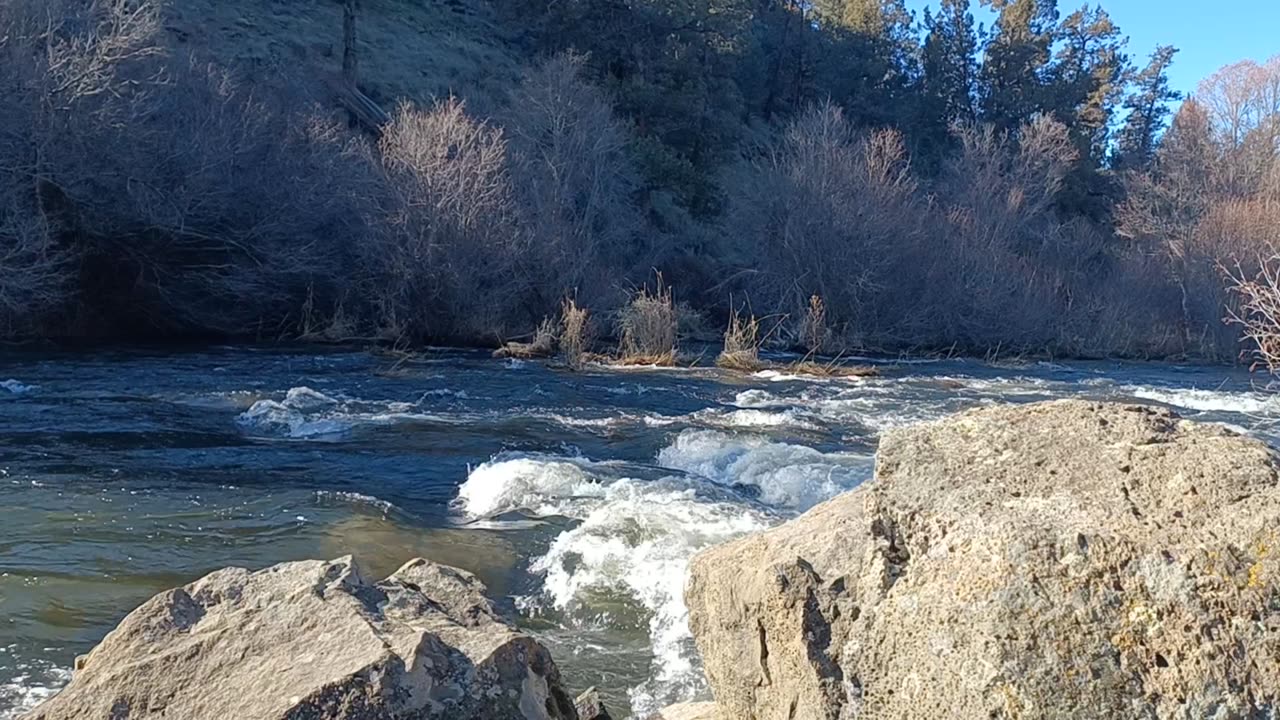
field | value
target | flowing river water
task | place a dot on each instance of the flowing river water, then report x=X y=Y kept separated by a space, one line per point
x=577 y=497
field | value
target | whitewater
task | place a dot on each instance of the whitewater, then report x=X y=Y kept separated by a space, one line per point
x=579 y=498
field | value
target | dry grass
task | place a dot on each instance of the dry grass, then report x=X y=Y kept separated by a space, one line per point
x=574 y=334
x=815 y=334
x=408 y=49
x=543 y=344
x=648 y=326
x=741 y=344
x=834 y=369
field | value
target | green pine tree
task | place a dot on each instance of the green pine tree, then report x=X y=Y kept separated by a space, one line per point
x=1148 y=106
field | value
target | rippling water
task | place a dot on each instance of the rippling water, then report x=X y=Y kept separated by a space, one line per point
x=578 y=498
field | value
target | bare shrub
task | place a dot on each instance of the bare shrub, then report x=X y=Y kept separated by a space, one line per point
x=1241 y=234
x=57 y=60
x=575 y=331
x=1007 y=256
x=648 y=327
x=572 y=186
x=741 y=344
x=451 y=252
x=1259 y=313
x=237 y=213
x=825 y=211
x=188 y=202
x=35 y=275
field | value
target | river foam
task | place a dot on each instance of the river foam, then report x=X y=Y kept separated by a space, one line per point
x=1256 y=403
x=23 y=692
x=15 y=387
x=635 y=529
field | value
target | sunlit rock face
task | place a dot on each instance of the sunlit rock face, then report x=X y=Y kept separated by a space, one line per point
x=1056 y=560
x=316 y=640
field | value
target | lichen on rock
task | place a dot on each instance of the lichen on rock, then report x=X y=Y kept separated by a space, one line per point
x=1057 y=560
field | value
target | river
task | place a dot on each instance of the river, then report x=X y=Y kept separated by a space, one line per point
x=577 y=497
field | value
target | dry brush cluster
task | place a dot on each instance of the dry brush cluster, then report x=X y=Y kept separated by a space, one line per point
x=146 y=192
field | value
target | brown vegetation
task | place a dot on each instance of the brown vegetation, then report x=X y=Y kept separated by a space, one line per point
x=814 y=334
x=647 y=327
x=742 y=341
x=575 y=334
x=160 y=182
x=543 y=344
x=834 y=369
x=1259 y=312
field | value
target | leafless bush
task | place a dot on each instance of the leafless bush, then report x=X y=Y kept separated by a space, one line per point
x=1005 y=259
x=977 y=258
x=573 y=185
x=741 y=344
x=57 y=60
x=824 y=212
x=453 y=245
x=574 y=334
x=648 y=327
x=187 y=201
x=35 y=275
x=1259 y=313
x=236 y=212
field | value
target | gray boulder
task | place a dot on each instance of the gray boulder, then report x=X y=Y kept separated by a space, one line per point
x=1058 y=560
x=316 y=641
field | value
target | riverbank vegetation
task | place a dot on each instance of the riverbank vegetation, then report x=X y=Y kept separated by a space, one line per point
x=168 y=171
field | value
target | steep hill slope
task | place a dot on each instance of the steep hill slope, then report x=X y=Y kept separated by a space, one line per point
x=408 y=49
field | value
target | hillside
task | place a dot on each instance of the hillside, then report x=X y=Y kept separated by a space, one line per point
x=417 y=50
x=931 y=187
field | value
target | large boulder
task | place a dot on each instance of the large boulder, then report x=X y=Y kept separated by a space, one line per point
x=1058 y=560
x=316 y=641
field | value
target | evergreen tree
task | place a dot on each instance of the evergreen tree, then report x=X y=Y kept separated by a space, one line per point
x=950 y=61
x=1148 y=106
x=1017 y=60
x=1088 y=78
x=776 y=72
x=887 y=24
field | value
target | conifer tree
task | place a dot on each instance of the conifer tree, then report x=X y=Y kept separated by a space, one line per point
x=1148 y=106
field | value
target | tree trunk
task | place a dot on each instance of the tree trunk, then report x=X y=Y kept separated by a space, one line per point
x=1186 y=306
x=349 y=42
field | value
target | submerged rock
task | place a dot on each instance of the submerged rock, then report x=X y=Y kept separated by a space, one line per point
x=316 y=641
x=1058 y=560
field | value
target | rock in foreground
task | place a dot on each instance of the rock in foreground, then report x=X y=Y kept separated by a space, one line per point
x=316 y=641
x=1058 y=560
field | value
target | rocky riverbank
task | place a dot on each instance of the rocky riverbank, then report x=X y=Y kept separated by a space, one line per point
x=1056 y=560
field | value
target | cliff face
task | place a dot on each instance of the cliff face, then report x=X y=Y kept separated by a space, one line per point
x=1058 y=560
x=418 y=50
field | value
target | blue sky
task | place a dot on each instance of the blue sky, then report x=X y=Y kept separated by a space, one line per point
x=1208 y=35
